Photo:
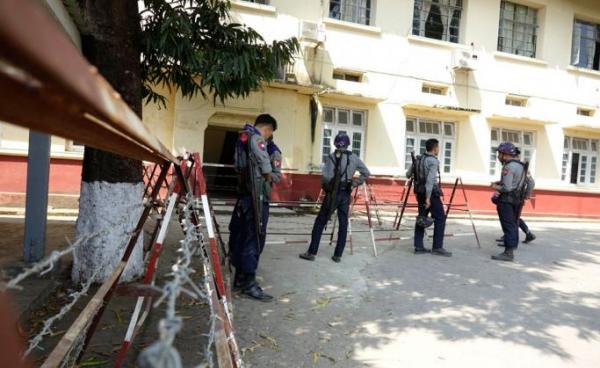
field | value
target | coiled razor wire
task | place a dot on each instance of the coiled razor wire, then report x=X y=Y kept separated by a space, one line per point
x=46 y=265
x=162 y=353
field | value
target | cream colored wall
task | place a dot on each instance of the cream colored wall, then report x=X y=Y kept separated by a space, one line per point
x=395 y=64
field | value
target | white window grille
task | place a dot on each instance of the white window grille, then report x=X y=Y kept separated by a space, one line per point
x=437 y=19
x=524 y=140
x=351 y=122
x=419 y=130
x=517 y=32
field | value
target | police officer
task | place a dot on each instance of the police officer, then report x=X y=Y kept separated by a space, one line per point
x=508 y=199
x=254 y=170
x=337 y=181
x=529 y=236
x=429 y=199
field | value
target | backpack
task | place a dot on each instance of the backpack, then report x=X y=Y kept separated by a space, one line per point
x=418 y=172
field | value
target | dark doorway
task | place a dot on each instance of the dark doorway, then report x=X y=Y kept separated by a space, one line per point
x=574 y=168
x=219 y=144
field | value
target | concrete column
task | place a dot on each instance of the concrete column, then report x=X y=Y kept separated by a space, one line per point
x=36 y=207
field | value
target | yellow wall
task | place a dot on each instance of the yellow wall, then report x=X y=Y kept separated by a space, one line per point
x=395 y=66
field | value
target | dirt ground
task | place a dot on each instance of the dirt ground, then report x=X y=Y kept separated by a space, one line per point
x=396 y=310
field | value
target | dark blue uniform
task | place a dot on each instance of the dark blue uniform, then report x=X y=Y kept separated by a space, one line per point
x=244 y=244
x=348 y=165
x=430 y=169
x=508 y=204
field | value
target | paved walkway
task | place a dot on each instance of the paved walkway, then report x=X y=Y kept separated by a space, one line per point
x=403 y=310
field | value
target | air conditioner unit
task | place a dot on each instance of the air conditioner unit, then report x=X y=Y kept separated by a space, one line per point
x=311 y=32
x=464 y=60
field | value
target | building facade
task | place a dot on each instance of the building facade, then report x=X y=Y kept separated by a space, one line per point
x=393 y=73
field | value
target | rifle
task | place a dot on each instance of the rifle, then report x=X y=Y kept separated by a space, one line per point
x=257 y=198
x=522 y=190
x=413 y=173
x=332 y=196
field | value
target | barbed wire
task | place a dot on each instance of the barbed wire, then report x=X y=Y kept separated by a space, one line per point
x=47 y=329
x=47 y=264
x=162 y=353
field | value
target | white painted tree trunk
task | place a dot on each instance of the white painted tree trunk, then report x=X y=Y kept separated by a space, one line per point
x=113 y=209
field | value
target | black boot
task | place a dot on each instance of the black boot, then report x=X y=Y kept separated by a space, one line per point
x=307 y=256
x=501 y=240
x=529 y=238
x=336 y=259
x=256 y=292
x=441 y=252
x=422 y=250
x=239 y=280
x=507 y=256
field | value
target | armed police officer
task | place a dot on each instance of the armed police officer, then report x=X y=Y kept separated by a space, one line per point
x=529 y=236
x=509 y=202
x=248 y=222
x=429 y=194
x=337 y=181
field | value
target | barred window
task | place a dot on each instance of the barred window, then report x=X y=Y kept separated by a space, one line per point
x=524 y=140
x=418 y=131
x=438 y=19
x=585 y=50
x=355 y=11
x=518 y=29
x=338 y=120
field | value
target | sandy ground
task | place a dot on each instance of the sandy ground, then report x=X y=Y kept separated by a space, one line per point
x=396 y=310
x=406 y=310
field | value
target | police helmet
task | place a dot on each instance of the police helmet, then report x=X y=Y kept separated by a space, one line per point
x=341 y=140
x=507 y=148
x=424 y=221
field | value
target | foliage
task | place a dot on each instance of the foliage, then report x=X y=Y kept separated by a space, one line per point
x=193 y=46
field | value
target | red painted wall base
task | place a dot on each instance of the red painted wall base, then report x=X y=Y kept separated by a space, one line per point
x=65 y=178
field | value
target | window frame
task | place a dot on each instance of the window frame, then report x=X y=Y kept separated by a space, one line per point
x=350 y=128
x=357 y=16
x=419 y=26
x=533 y=28
x=419 y=137
x=575 y=56
x=493 y=169
x=592 y=158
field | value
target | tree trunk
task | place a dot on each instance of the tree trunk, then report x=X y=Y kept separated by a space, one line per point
x=111 y=187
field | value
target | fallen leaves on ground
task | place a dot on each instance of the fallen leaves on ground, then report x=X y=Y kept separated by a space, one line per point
x=270 y=339
x=251 y=348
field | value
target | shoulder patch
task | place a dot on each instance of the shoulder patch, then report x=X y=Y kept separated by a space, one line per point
x=262 y=146
x=277 y=163
x=505 y=171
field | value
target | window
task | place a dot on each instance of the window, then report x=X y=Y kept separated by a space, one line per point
x=264 y=2
x=347 y=76
x=516 y=101
x=525 y=141
x=418 y=131
x=518 y=29
x=434 y=90
x=585 y=111
x=437 y=19
x=579 y=161
x=336 y=120
x=585 y=50
x=355 y=11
